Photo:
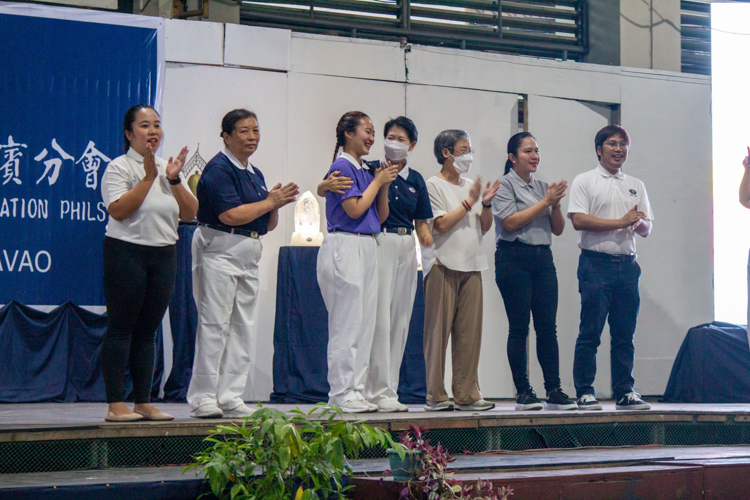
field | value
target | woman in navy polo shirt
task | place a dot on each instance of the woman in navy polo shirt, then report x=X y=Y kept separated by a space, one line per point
x=409 y=210
x=236 y=209
x=347 y=261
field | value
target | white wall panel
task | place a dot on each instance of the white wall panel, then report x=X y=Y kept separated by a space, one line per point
x=670 y=127
x=339 y=56
x=489 y=119
x=522 y=75
x=565 y=131
x=217 y=91
x=257 y=47
x=194 y=42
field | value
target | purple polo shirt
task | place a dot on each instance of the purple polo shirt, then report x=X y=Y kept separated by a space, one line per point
x=368 y=222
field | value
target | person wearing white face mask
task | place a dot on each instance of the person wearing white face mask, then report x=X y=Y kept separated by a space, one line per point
x=409 y=210
x=453 y=279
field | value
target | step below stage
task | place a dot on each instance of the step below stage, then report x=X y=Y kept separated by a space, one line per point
x=643 y=472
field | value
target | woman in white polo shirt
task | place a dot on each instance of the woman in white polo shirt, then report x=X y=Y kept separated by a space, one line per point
x=145 y=198
x=453 y=274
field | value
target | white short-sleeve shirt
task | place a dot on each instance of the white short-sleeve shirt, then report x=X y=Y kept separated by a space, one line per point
x=155 y=222
x=460 y=248
x=607 y=196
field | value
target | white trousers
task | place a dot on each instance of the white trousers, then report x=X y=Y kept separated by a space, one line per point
x=397 y=286
x=348 y=280
x=225 y=287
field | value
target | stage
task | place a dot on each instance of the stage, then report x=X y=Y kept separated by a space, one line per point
x=54 y=448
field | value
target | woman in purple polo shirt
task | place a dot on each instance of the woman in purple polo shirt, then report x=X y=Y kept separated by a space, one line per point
x=347 y=261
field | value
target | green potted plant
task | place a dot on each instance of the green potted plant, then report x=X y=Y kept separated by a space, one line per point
x=273 y=455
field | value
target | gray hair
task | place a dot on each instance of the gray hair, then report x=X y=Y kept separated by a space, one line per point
x=446 y=140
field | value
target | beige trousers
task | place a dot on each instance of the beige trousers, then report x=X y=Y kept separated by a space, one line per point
x=453 y=304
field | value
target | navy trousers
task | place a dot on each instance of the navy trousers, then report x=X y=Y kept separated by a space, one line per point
x=608 y=285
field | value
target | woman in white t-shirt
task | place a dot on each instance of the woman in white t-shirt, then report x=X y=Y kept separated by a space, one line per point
x=453 y=274
x=145 y=198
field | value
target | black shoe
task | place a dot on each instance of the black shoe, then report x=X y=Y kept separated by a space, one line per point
x=558 y=400
x=528 y=401
x=632 y=401
x=588 y=402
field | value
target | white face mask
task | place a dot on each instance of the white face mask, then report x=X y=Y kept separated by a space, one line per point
x=396 y=151
x=462 y=163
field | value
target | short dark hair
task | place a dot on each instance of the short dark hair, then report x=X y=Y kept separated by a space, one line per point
x=405 y=123
x=446 y=140
x=127 y=122
x=229 y=122
x=513 y=144
x=604 y=134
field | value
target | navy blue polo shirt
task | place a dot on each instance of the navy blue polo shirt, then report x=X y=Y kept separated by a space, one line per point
x=408 y=199
x=223 y=186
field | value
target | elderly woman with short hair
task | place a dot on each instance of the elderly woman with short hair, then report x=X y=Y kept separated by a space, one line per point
x=453 y=274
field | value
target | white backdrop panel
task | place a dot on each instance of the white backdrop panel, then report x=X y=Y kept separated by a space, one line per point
x=670 y=127
x=191 y=42
x=488 y=118
x=325 y=55
x=522 y=75
x=257 y=47
x=195 y=100
x=565 y=131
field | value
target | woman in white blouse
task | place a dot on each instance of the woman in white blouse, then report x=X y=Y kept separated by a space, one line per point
x=453 y=274
x=145 y=198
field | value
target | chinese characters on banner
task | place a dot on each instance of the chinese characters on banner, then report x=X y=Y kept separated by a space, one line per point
x=57 y=135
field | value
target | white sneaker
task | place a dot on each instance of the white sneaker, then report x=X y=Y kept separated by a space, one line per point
x=363 y=400
x=356 y=406
x=242 y=411
x=208 y=410
x=391 y=406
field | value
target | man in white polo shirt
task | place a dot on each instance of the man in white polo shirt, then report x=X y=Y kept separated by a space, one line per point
x=608 y=208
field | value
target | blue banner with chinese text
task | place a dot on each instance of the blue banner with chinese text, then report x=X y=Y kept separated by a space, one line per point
x=66 y=81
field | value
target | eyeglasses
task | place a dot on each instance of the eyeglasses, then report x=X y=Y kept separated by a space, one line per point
x=614 y=144
x=464 y=151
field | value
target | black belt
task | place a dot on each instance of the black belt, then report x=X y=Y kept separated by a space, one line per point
x=373 y=235
x=232 y=230
x=398 y=230
x=608 y=257
x=514 y=243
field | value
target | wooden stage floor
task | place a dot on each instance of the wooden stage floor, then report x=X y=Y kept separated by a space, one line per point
x=44 y=421
x=38 y=415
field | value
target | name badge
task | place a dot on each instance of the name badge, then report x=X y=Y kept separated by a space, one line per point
x=412 y=189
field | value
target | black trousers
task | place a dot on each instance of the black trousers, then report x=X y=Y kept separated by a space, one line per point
x=138 y=283
x=527 y=279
